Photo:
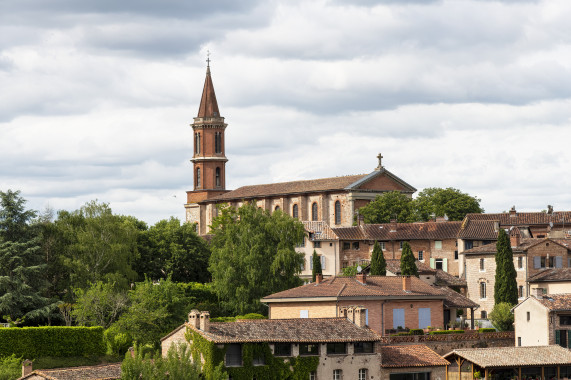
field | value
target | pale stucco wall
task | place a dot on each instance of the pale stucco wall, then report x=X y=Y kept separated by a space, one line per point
x=534 y=332
x=553 y=287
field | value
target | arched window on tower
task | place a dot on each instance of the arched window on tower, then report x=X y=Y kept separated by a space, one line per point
x=314 y=211
x=197 y=143
x=217 y=177
x=218 y=142
x=198 y=178
x=295 y=212
x=337 y=212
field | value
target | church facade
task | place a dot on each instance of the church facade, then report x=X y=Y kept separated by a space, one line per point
x=331 y=200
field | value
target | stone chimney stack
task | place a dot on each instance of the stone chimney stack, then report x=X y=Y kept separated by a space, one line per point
x=406 y=286
x=26 y=367
x=351 y=314
x=393 y=225
x=342 y=312
x=360 y=316
x=513 y=213
x=496 y=225
x=318 y=278
x=360 y=219
x=194 y=318
x=205 y=321
x=537 y=292
x=515 y=237
x=362 y=278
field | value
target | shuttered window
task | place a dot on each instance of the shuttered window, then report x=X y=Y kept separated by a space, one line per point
x=398 y=318
x=424 y=317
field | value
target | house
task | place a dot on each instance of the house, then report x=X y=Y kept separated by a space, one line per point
x=551 y=281
x=531 y=256
x=331 y=200
x=98 y=372
x=322 y=240
x=545 y=362
x=311 y=348
x=389 y=302
x=542 y=320
x=433 y=243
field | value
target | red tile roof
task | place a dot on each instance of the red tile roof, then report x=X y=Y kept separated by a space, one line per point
x=98 y=372
x=403 y=231
x=320 y=229
x=556 y=302
x=376 y=286
x=525 y=218
x=523 y=246
x=416 y=355
x=393 y=266
x=552 y=275
x=496 y=357
x=457 y=300
x=478 y=229
x=317 y=330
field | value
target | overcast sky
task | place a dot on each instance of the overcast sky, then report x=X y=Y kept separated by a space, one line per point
x=96 y=97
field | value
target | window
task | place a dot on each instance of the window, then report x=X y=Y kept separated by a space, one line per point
x=482 y=267
x=398 y=318
x=295 y=211
x=563 y=337
x=258 y=358
x=314 y=212
x=424 y=317
x=337 y=373
x=483 y=314
x=322 y=258
x=217 y=177
x=520 y=262
x=282 y=349
x=218 y=142
x=456 y=255
x=420 y=256
x=400 y=244
x=482 y=290
x=363 y=374
x=528 y=316
x=438 y=244
x=346 y=245
x=316 y=244
x=520 y=291
x=519 y=341
x=336 y=348
x=313 y=375
x=383 y=246
x=364 y=347
x=276 y=208
x=197 y=177
x=468 y=244
x=439 y=264
x=234 y=355
x=337 y=212
x=356 y=245
x=565 y=320
x=197 y=143
x=309 y=349
x=302 y=266
x=304 y=313
x=344 y=264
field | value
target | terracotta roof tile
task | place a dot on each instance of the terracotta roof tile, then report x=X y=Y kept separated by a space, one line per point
x=98 y=372
x=403 y=231
x=523 y=246
x=318 y=330
x=456 y=300
x=552 y=275
x=321 y=230
x=350 y=233
x=376 y=286
x=393 y=266
x=514 y=356
x=446 y=279
x=478 y=229
x=416 y=355
x=525 y=218
x=556 y=302
x=294 y=187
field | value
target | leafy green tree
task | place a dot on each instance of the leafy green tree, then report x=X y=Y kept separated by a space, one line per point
x=10 y=367
x=350 y=271
x=407 y=261
x=22 y=281
x=378 y=262
x=253 y=255
x=316 y=264
x=450 y=202
x=100 y=305
x=502 y=317
x=390 y=205
x=505 y=287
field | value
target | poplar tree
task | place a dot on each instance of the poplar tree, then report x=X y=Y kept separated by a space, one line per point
x=505 y=288
x=316 y=260
x=407 y=261
x=378 y=262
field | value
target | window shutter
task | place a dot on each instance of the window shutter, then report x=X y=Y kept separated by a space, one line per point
x=322 y=262
x=568 y=338
x=367 y=318
x=311 y=263
x=432 y=265
x=557 y=336
x=536 y=262
x=398 y=318
x=304 y=313
x=444 y=265
x=423 y=317
x=558 y=262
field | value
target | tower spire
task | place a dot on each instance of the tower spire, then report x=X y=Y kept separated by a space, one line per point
x=208 y=104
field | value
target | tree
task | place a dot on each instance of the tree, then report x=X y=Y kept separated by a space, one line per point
x=253 y=255
x=390 y=205
x=378 y=262
x=316 y=264
x=505 y=287
x=407 y=261
x=22 y=281
x=501 y=316
x=450 y=202
x=100 y=305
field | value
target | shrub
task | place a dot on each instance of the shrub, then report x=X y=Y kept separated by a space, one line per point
x=487 y=330
x=10 y=368
x=402 y=333
x=117 y=342
x=416 y=332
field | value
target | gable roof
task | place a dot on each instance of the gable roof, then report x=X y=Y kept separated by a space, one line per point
x=317 y=330
x=378 y=172
x=523 y=246
x=457 y=300
x=393 y=266
x=320 y=229
x=98 y=372
x=551 y=275
x=381 y=287
x=446 y=279
x=497 y=357
x=414 y=355
x=400 y=231
x=525 y=218
x=556 y=302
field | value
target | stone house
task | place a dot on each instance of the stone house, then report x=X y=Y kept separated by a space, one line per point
x=320 y=238
x=542 y=320
x=551 y=281
x=433 y=243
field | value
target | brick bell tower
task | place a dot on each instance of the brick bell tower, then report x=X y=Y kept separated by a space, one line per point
x=209 y=159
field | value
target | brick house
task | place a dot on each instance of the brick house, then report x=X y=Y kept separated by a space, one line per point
x=542 y=320
x=389 y=302
x=331 y=200
x=433 y=243
x=312 y=348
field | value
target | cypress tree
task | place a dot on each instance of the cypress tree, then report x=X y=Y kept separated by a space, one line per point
x=378 y=262
x=407 y=261
x=505 y=288
x=316 y=266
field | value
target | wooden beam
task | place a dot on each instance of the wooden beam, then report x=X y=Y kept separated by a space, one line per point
x=519 y=373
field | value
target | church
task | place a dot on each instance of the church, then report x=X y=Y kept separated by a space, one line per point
x=331 y=200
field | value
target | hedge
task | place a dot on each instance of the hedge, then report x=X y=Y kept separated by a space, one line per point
x=441 y=332
x=416 y=332
x=55 y=341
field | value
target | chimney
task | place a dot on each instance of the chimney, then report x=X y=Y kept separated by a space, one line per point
x=318 y=279
x=360 y=316
x=496 y=225
x=343 y=311
x=537 y=292
x=26 y=367
x=360 y=219
x=515 y=237
x=406 y=283
x=393 y=225
x=194 y=318
x=351 y=314
x=513 y=213
x=362 y=278
x=205 y=321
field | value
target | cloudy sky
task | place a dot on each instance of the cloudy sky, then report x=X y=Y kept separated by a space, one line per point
x=96 y=96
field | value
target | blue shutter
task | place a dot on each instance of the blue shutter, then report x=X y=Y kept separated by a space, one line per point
x=537 y=262
x=398 y=318
x=423 y=317
x=367 y=318
x=558 y=262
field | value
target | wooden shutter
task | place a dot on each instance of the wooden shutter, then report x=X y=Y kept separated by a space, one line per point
x=444 y=266
x=557 y=336
x=432 y=265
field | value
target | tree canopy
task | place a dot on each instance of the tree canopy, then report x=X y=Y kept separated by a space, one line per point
x=505 y=287
x=407 y=261
x=378 y=262
x=390 y=205
x=253 y=255
x=450 y=202
x=501 y=316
